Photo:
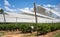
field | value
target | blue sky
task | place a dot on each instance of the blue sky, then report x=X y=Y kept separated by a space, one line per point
x=20 y=4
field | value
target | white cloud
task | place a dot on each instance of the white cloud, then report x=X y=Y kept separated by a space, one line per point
x=26 y=8
x=53 y=6
x=11 y=10
x=31 y=8
x=6 y=3
x=48 y=5
x=8 y=9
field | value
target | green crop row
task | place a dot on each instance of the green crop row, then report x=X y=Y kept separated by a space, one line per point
x=42 y=28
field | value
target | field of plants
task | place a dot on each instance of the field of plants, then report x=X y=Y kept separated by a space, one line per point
x=42 y=28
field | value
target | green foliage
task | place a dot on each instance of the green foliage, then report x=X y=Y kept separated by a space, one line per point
x=1 y=11
x=25 y=28
x=42 y=28
x=45 y=28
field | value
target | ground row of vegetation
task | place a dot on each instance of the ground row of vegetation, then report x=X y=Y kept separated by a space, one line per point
x=42 y=28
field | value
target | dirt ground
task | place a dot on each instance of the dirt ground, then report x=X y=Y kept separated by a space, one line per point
x=18 y=34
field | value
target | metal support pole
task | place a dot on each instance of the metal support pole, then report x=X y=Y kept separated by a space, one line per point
x=35 y=12
x=35 y=17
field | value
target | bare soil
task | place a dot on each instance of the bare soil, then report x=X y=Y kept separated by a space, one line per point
x=19 y=34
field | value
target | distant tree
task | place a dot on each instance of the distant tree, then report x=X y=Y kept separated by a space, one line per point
x=2 y=12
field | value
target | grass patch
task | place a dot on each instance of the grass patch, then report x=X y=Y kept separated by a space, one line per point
x=57 y=35
x=1 y=34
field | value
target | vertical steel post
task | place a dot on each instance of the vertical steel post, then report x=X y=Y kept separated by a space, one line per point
x=35 y=12
x=35 y=17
